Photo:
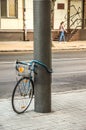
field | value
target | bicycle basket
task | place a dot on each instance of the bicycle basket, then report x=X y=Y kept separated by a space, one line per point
x=23 y=70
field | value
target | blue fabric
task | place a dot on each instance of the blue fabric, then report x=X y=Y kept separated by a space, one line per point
x=62 y=36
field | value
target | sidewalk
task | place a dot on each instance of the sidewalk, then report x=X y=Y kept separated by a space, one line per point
x=19 y=46
x=68 y=113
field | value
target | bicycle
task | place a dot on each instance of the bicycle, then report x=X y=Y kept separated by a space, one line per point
x=24 y=89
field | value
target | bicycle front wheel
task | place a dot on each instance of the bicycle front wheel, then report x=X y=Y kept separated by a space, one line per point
x=22 y=95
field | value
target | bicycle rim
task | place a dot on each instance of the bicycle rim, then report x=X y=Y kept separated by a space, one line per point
x=22 y=95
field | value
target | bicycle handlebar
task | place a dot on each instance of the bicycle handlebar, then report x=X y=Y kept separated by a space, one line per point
x=22 y=62
x=42 y=64
x=36 y=62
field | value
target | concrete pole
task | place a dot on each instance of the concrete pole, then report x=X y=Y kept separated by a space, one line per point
x=68 y=19
x=68 y=16
x=24 y=20
x=42 y=52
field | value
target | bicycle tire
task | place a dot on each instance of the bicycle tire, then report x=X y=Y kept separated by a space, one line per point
x=22 y=95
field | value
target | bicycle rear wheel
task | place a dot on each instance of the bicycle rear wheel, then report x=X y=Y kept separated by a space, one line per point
x=22 y=95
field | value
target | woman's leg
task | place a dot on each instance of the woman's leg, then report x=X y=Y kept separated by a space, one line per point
x=64 y=37
x=61 y=35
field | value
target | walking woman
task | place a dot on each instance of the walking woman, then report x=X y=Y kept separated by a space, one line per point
x=62 y=31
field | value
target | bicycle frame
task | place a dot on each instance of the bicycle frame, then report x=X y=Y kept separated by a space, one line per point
x=32 y=65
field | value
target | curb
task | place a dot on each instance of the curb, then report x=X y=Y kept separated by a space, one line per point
x=21 y=47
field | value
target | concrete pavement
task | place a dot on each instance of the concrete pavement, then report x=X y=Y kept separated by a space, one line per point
x=18 y=46
x=68 y=113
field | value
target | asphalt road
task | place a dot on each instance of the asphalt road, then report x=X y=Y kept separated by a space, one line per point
x=69 y=71
x=28 y=56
